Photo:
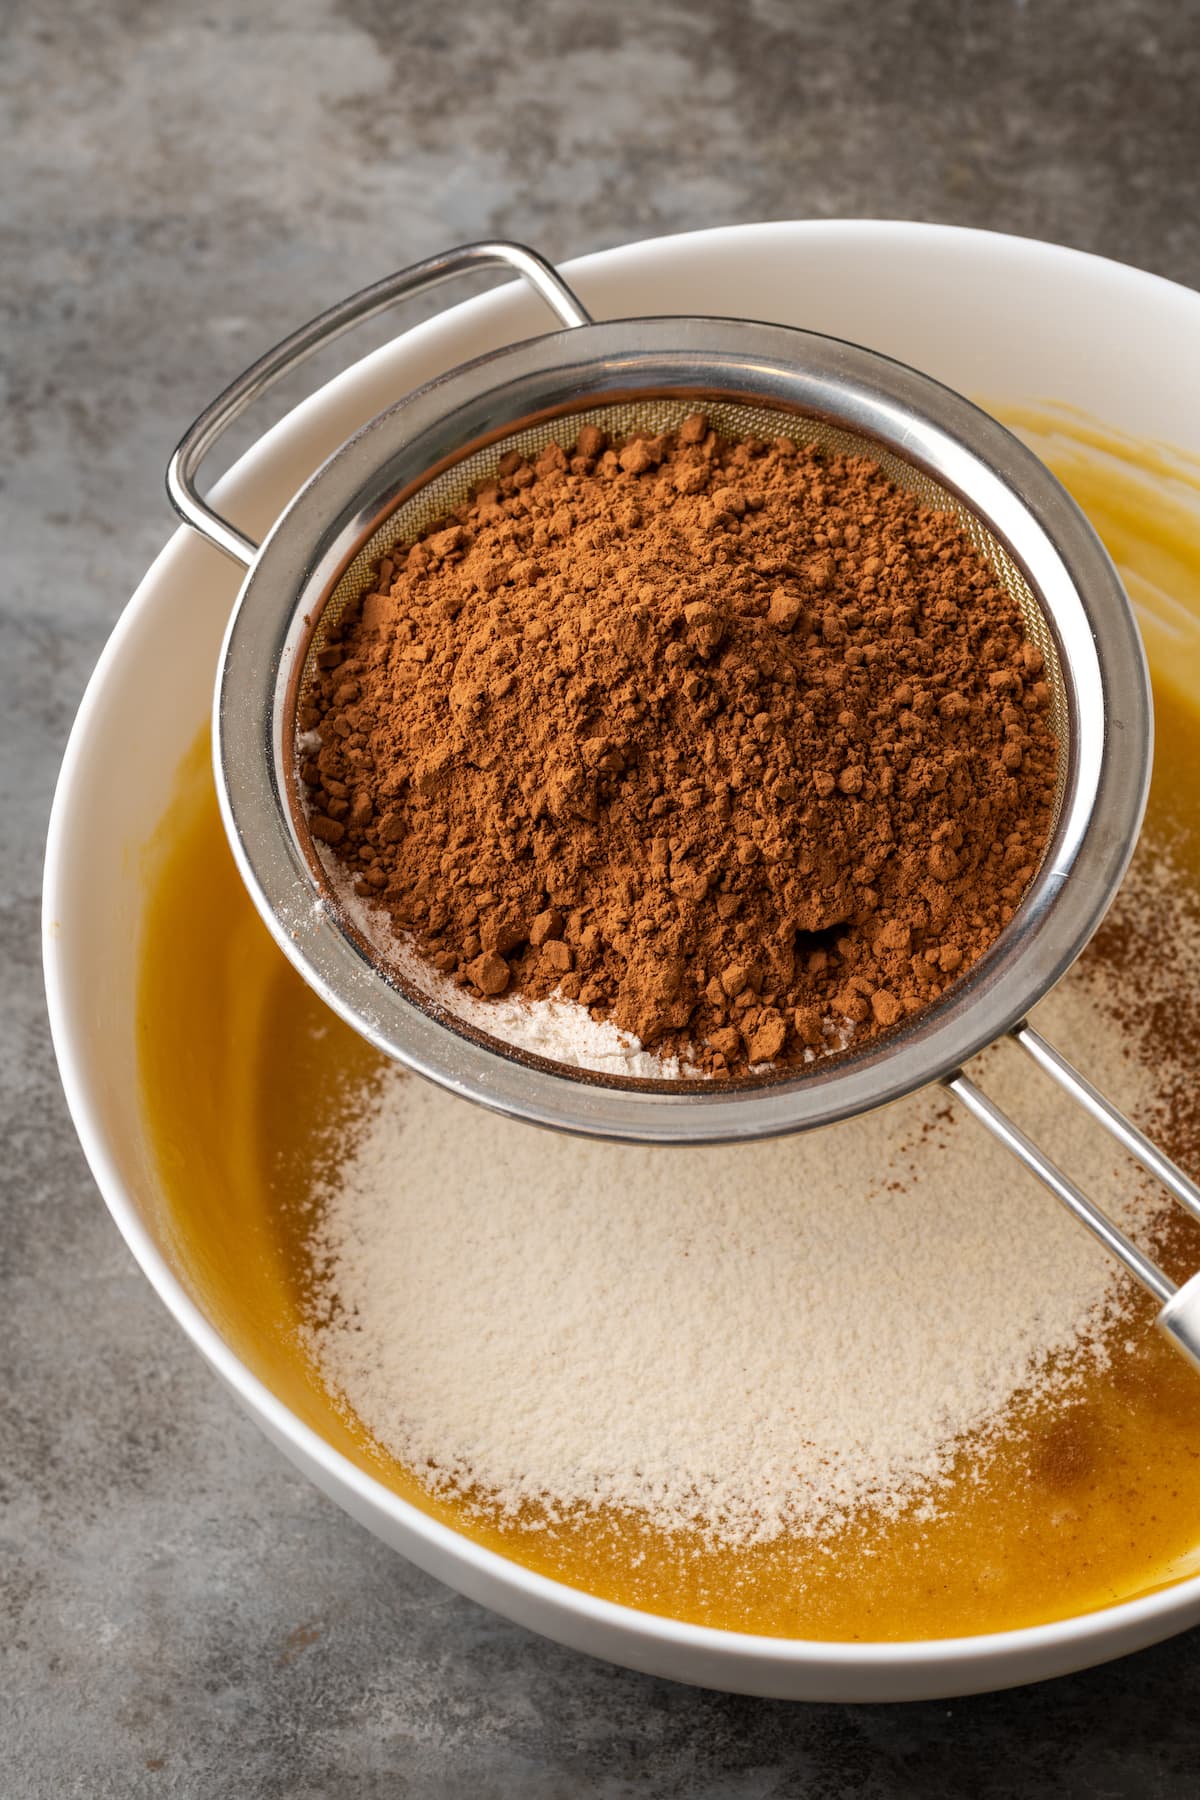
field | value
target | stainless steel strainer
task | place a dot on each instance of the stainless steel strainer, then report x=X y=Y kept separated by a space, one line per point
x=417 y=459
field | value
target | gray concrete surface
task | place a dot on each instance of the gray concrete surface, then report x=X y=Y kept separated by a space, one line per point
x=182 y=1615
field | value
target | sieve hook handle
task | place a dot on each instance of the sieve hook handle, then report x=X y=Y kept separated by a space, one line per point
x=216 y=418
x=1179 y=1306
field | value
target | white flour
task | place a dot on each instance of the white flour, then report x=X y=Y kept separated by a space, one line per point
x=757 y=1339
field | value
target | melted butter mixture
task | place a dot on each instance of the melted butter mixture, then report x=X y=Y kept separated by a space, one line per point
x=246 y=1077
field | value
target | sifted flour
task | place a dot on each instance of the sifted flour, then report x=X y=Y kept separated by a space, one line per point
x=752 y=1340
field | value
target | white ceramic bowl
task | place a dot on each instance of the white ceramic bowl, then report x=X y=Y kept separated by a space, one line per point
x=998 y=317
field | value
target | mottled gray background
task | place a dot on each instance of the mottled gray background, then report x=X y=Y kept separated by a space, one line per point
x=181 y=1614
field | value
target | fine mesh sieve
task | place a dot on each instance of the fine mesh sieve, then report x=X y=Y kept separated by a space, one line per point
x=412 y=463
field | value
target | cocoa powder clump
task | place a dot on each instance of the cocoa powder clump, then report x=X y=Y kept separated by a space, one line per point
x=735 y=743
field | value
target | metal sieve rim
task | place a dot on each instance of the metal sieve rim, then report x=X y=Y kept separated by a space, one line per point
x=817 y=377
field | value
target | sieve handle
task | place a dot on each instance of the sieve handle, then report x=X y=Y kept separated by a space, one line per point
x=216 y=418
x=1179 y=1306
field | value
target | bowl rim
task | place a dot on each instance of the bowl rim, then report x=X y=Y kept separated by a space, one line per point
x=1087 y=1630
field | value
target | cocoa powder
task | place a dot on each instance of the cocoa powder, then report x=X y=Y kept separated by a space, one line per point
x=735 y=743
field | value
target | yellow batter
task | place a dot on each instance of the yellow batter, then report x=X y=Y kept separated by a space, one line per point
x=243 y=1069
